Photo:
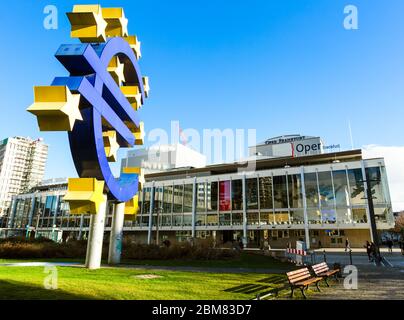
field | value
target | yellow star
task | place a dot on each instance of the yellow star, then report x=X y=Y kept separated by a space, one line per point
x=132 y=206
x=116 y=69
x=146 y=86
x=111 y=146
x=117 y=23
x=135 y=45
x=132 y=93
x=84 y=195
x=139 y=134
x=87 y=23
x=56 y=108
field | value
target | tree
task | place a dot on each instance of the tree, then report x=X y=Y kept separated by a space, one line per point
x=399 y=226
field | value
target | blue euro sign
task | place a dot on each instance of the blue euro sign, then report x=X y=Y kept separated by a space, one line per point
x=103 y=107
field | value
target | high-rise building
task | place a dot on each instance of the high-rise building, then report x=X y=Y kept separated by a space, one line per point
x=22 y=166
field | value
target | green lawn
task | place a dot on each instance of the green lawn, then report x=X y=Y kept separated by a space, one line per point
x=246 y=260
x=121 y=283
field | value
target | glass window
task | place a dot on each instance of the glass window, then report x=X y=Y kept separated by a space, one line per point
x=200 y=219
x=178 y=194
x=297 y=216
x=328 y=215
x=341 y=188
x=376 y=183
x=224 y=196
x=212 y=219
x=237 y=218
x=344 y=215
x=165 y=220
x=252 y=218
x=145 y=221
x=295 y=191
x=325 y=186
x=211 y=197
x=265 y=191
x=140 y=200
x=280 y=194
x=187 y=221
x=252 y=193
x=188 y=192
x=48 y=206
x=313 y=216
x=201 y=197
x=311 y=188
x=224 y=219
x=237 y=194
x=359 y=215
x=266 y=218
x=177 y=219
x=146 y=207
x=281 y=216
x=167 y=199
x=158 y=199
x=356 y=185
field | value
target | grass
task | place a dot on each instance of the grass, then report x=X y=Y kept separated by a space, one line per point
x=121 y=283
x=245 y=260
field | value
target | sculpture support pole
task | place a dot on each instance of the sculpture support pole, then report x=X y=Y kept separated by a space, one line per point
x=96 y=236
x=115 y=240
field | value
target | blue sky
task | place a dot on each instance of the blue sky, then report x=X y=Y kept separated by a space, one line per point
x=280 y=67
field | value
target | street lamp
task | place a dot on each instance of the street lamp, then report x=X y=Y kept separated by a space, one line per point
x=372 y=218
x=157 y=226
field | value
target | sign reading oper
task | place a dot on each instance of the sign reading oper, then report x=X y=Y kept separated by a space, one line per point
x=97 y=104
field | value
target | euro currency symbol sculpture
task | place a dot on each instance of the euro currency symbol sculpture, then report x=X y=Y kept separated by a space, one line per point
x=97 y=104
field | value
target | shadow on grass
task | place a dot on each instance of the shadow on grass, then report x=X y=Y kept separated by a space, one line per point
x=13 y=290
x=272 y=284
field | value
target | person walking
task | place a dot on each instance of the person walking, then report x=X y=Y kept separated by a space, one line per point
x=347 y=244
x=402 y=246
x=368 y=249
x=373 y=251
x=390 y=245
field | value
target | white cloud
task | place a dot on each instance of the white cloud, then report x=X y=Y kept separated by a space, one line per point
x=394 y=160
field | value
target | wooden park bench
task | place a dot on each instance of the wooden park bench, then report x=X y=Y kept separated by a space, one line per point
x=301 y=279
x=323 y=271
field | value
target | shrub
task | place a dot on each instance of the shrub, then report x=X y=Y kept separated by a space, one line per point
x=18 y=249
x=201 y=250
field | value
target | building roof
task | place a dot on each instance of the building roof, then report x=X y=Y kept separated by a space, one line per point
x=261 y=164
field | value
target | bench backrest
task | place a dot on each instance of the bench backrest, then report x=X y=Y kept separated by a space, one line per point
x=298 y=275
x=320 y=268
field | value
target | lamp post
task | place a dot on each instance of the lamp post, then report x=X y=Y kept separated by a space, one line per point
x=37 y=222
x=157 y=226
x=373 y=226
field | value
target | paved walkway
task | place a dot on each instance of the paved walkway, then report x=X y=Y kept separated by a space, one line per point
x=40 y=264
x=374 y=283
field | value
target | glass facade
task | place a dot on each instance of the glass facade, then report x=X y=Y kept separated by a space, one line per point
x=325 y=196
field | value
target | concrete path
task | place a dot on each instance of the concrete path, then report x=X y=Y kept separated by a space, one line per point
x=40 y=264
x=374 y=283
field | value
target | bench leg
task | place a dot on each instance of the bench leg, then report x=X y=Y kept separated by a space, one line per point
x=304 y=295
x=318 y=288
x=291 y=291
x=326 y=282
